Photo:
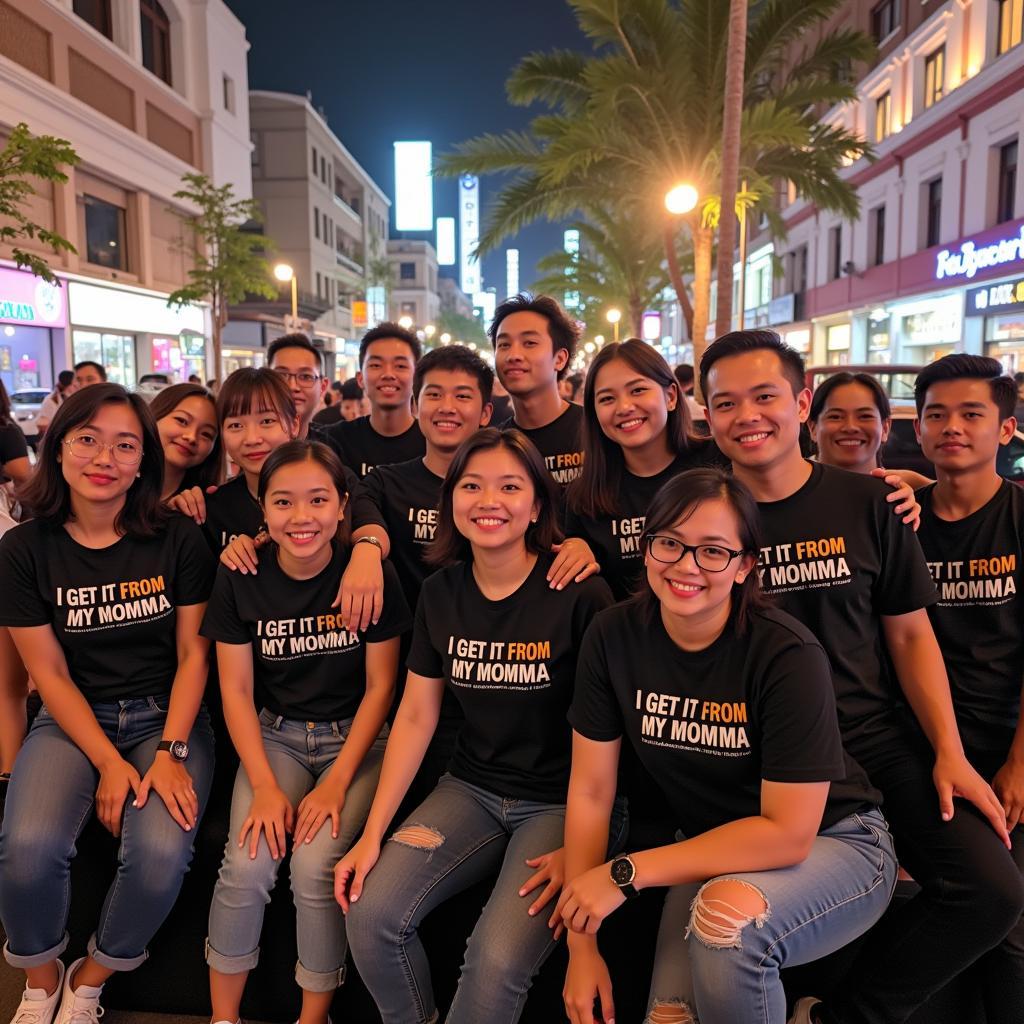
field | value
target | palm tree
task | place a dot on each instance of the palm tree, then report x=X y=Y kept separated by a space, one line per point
x=644 y=111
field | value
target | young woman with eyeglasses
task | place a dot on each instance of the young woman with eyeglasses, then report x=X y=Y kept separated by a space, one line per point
x=782 y=855
x=104 y=592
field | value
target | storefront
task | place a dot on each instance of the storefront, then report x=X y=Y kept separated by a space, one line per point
x=837 y=344
x=928 y=328
x=33 y=319
x=1001 y=306
x=131 y=333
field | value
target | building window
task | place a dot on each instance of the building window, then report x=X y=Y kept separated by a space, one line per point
x=407 y=271
x=105 y=234
x=933 y=213
x=885 y=19
x=798 y=269
x=97 y=14
x=323 y=170
x=316 y=221
x=877 y=239
x=156 y=39
x=1006 y=195
x=934 y=76
x=835 y=252
x=314 y=161
x=229 y=94
x=255 y=151
x=883 y=116
x=1011 y=22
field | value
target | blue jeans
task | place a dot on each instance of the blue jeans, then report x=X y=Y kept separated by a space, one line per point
x=51 y=796
x=300 y=754
x=472 y=834
x=815 y=907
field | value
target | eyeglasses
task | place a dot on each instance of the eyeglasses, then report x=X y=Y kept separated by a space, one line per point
x=87 y=446
x=304 y=378
x=709 y=557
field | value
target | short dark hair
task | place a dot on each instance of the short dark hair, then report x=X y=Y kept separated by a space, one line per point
x=562 y=328
x=294 y=341
x=351 y=391
x=684 y=374
x=244 y=390
x=210 y=471
x=960 y=367
x=737 y=342
x=1018 y=377
x=844 y=377
x=46 y=494
x=98 y=367
x=65 y=378
x=454 y=358
x=449 y=545
x=387 y=329
x=678 y=498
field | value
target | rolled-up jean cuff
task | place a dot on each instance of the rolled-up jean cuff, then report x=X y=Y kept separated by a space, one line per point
x=116 y=963
x=36 y=959
x=318 y=981
x=231 y=964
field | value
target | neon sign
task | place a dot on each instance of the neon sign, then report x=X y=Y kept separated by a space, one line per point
x=972 y=258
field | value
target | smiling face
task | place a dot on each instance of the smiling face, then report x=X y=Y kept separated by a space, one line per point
x=524 y=354
x=450 y=408
x=632 y=409
x=249 y=438
x=302 y=508
x=494 y=502
x=850 y=429
x=188 y=432
x=292 y=363
x=752 y=411
x=386 y=376
x=88 y=462
x=960 y=428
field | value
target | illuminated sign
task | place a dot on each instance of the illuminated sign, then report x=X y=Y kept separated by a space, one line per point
x=996 y=298
x=414 y=186
x=26 y=299
x=571 y=244
x=972 y=258
x=486 y=302
x=469 y=225
x=511 y=271
x=446 y=241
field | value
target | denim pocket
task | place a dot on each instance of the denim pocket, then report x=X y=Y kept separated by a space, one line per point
x=161 y=704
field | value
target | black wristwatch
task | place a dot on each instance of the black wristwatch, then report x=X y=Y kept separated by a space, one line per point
x=178 y=749
x=623 y=871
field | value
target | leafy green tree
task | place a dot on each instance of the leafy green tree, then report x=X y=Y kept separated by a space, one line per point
x=27 y=156
x=229 y=254
x=461 y=328
x=644 y=112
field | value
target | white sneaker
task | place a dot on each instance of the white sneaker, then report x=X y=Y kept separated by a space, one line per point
x=81 y=1007
x=802 y=1010
x=36 y=1007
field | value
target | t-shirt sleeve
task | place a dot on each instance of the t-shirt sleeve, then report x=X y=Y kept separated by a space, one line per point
x=424 y=658
x=12 y=443
x=21 y=603
x=194 y=565
x=904 y=583
x=595 y=713
x=797 y=723
x=396 y=618
x=221 y=620
x=366 y=499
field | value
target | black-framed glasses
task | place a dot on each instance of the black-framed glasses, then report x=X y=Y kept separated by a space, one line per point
x=88 y=446
x=709 y=557
x=304 y=378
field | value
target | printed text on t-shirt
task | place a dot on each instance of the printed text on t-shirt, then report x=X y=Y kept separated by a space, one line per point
x=310 y=634
x=499 y=664
x=802 y=564
x=113 y=604
x=693 y=723
x=975 y=580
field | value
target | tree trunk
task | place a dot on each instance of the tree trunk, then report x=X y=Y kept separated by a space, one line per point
x=636 y=315
x=676 y=277
x=703 y=243
x=218 y=318
x=732 y=112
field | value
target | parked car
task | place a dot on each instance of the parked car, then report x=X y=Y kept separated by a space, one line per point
x=896 y=378
x=25 y=406
x=151 y=384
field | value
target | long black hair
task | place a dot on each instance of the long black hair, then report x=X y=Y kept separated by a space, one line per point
x=211 y=470
x=5 y=407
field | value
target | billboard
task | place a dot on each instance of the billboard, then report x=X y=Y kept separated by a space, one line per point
x=414 y=187
x=469 y=225
x=446 y=241
x=511 y=271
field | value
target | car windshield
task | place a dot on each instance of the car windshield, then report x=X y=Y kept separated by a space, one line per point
x=896 y=385
x=28 y=397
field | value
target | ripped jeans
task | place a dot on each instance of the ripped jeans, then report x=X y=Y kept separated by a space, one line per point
x=718 y=964
x=458 y=836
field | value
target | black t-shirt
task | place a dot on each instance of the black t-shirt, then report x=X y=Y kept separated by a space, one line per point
x=306 y=665
x=12 y=443
x=406 y=496
x=328 y=415
x=511 y=665
x=978 y=619
x=112 y=609
x=362 y=447
x=615 y=540
x=710 y=725
x=560 y=443
x=837 y=558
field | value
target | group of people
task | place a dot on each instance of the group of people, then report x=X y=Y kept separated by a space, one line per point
x=440 y=636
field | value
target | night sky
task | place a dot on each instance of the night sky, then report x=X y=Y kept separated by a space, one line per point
x=385 y=70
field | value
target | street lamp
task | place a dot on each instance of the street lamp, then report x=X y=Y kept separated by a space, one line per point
x=613 y=316
x=429 y=330
x=405 y=321
x=284 y=273
x=681 y=199
x=446 y=338
x=598 y=339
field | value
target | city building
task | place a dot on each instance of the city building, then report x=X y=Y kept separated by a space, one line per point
x=328 y=220
x=145 y=92
x=453 y=299
x=935 y=262
x=414 y=282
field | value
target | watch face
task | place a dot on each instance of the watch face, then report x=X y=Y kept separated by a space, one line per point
x=179 y=750
x=623 y=871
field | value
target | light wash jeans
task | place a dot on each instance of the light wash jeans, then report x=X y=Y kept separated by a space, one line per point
x=474 y=834
x=300 y=754
x=51 y=797
x=814 y=907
